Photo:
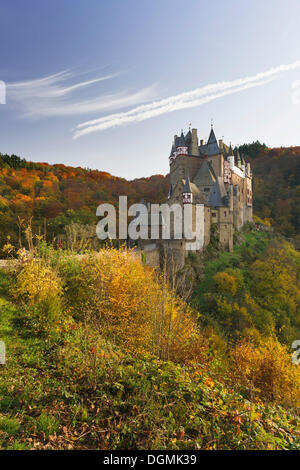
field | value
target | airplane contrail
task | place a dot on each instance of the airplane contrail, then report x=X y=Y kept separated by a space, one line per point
x=184 y=100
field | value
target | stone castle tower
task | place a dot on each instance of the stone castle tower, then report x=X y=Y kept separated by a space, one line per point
x=212 y=175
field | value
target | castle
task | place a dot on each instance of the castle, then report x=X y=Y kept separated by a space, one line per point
x=209 y=174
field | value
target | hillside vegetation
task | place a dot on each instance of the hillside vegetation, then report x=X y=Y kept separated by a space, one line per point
x=253 y=291
x=277 y=186
x=56 y=197
x=102 y=353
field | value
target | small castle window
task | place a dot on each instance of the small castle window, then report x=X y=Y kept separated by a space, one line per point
x=225 y=213
x=214 y=215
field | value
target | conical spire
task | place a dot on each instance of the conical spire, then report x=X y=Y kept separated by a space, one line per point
x=187 y=186
x=187 y=195
x=181 y=141
x=212 y=138
x=188 y=136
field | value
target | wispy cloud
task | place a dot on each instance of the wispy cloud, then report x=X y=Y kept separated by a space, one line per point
x=51 y=96
x=184 y=100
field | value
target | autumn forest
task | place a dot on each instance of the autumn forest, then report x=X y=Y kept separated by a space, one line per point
x=105 y=352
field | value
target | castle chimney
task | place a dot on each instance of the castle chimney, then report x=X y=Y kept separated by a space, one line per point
x=194 y=143
x=202 y=142
x=220 y=143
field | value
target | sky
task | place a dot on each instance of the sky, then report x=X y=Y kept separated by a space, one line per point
x=106 y=84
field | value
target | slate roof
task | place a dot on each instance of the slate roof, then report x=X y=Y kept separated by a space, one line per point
x=211 y=147
x=218 y=194
x=187 y=187
x=188 y=136
x=205 y=175
x=180 y=141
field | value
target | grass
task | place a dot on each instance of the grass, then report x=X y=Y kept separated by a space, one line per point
x=9 y=426
x=47 y=424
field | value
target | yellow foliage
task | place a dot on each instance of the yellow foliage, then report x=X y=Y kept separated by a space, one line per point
x=36 y=282
x=138 y=309
x=265 y=221
x=276 y=279
x=226 y=284
x=267 y=369
x=39 y=290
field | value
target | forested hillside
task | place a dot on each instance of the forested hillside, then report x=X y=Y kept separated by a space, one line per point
x=277 y=186
x=54 y=196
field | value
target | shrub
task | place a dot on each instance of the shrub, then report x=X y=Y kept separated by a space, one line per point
x=225 y=283
x=134 y=307
x=38 y=289
x=267 y=369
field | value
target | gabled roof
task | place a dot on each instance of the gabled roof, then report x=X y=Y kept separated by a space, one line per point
x=211 y=147
x=218 y=193
x=205 y=175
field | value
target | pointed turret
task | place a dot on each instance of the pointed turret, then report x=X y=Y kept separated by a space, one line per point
x=187 y=195
x=188 y=137
x=212 y=138
x=181 y=141
x=211 y=147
